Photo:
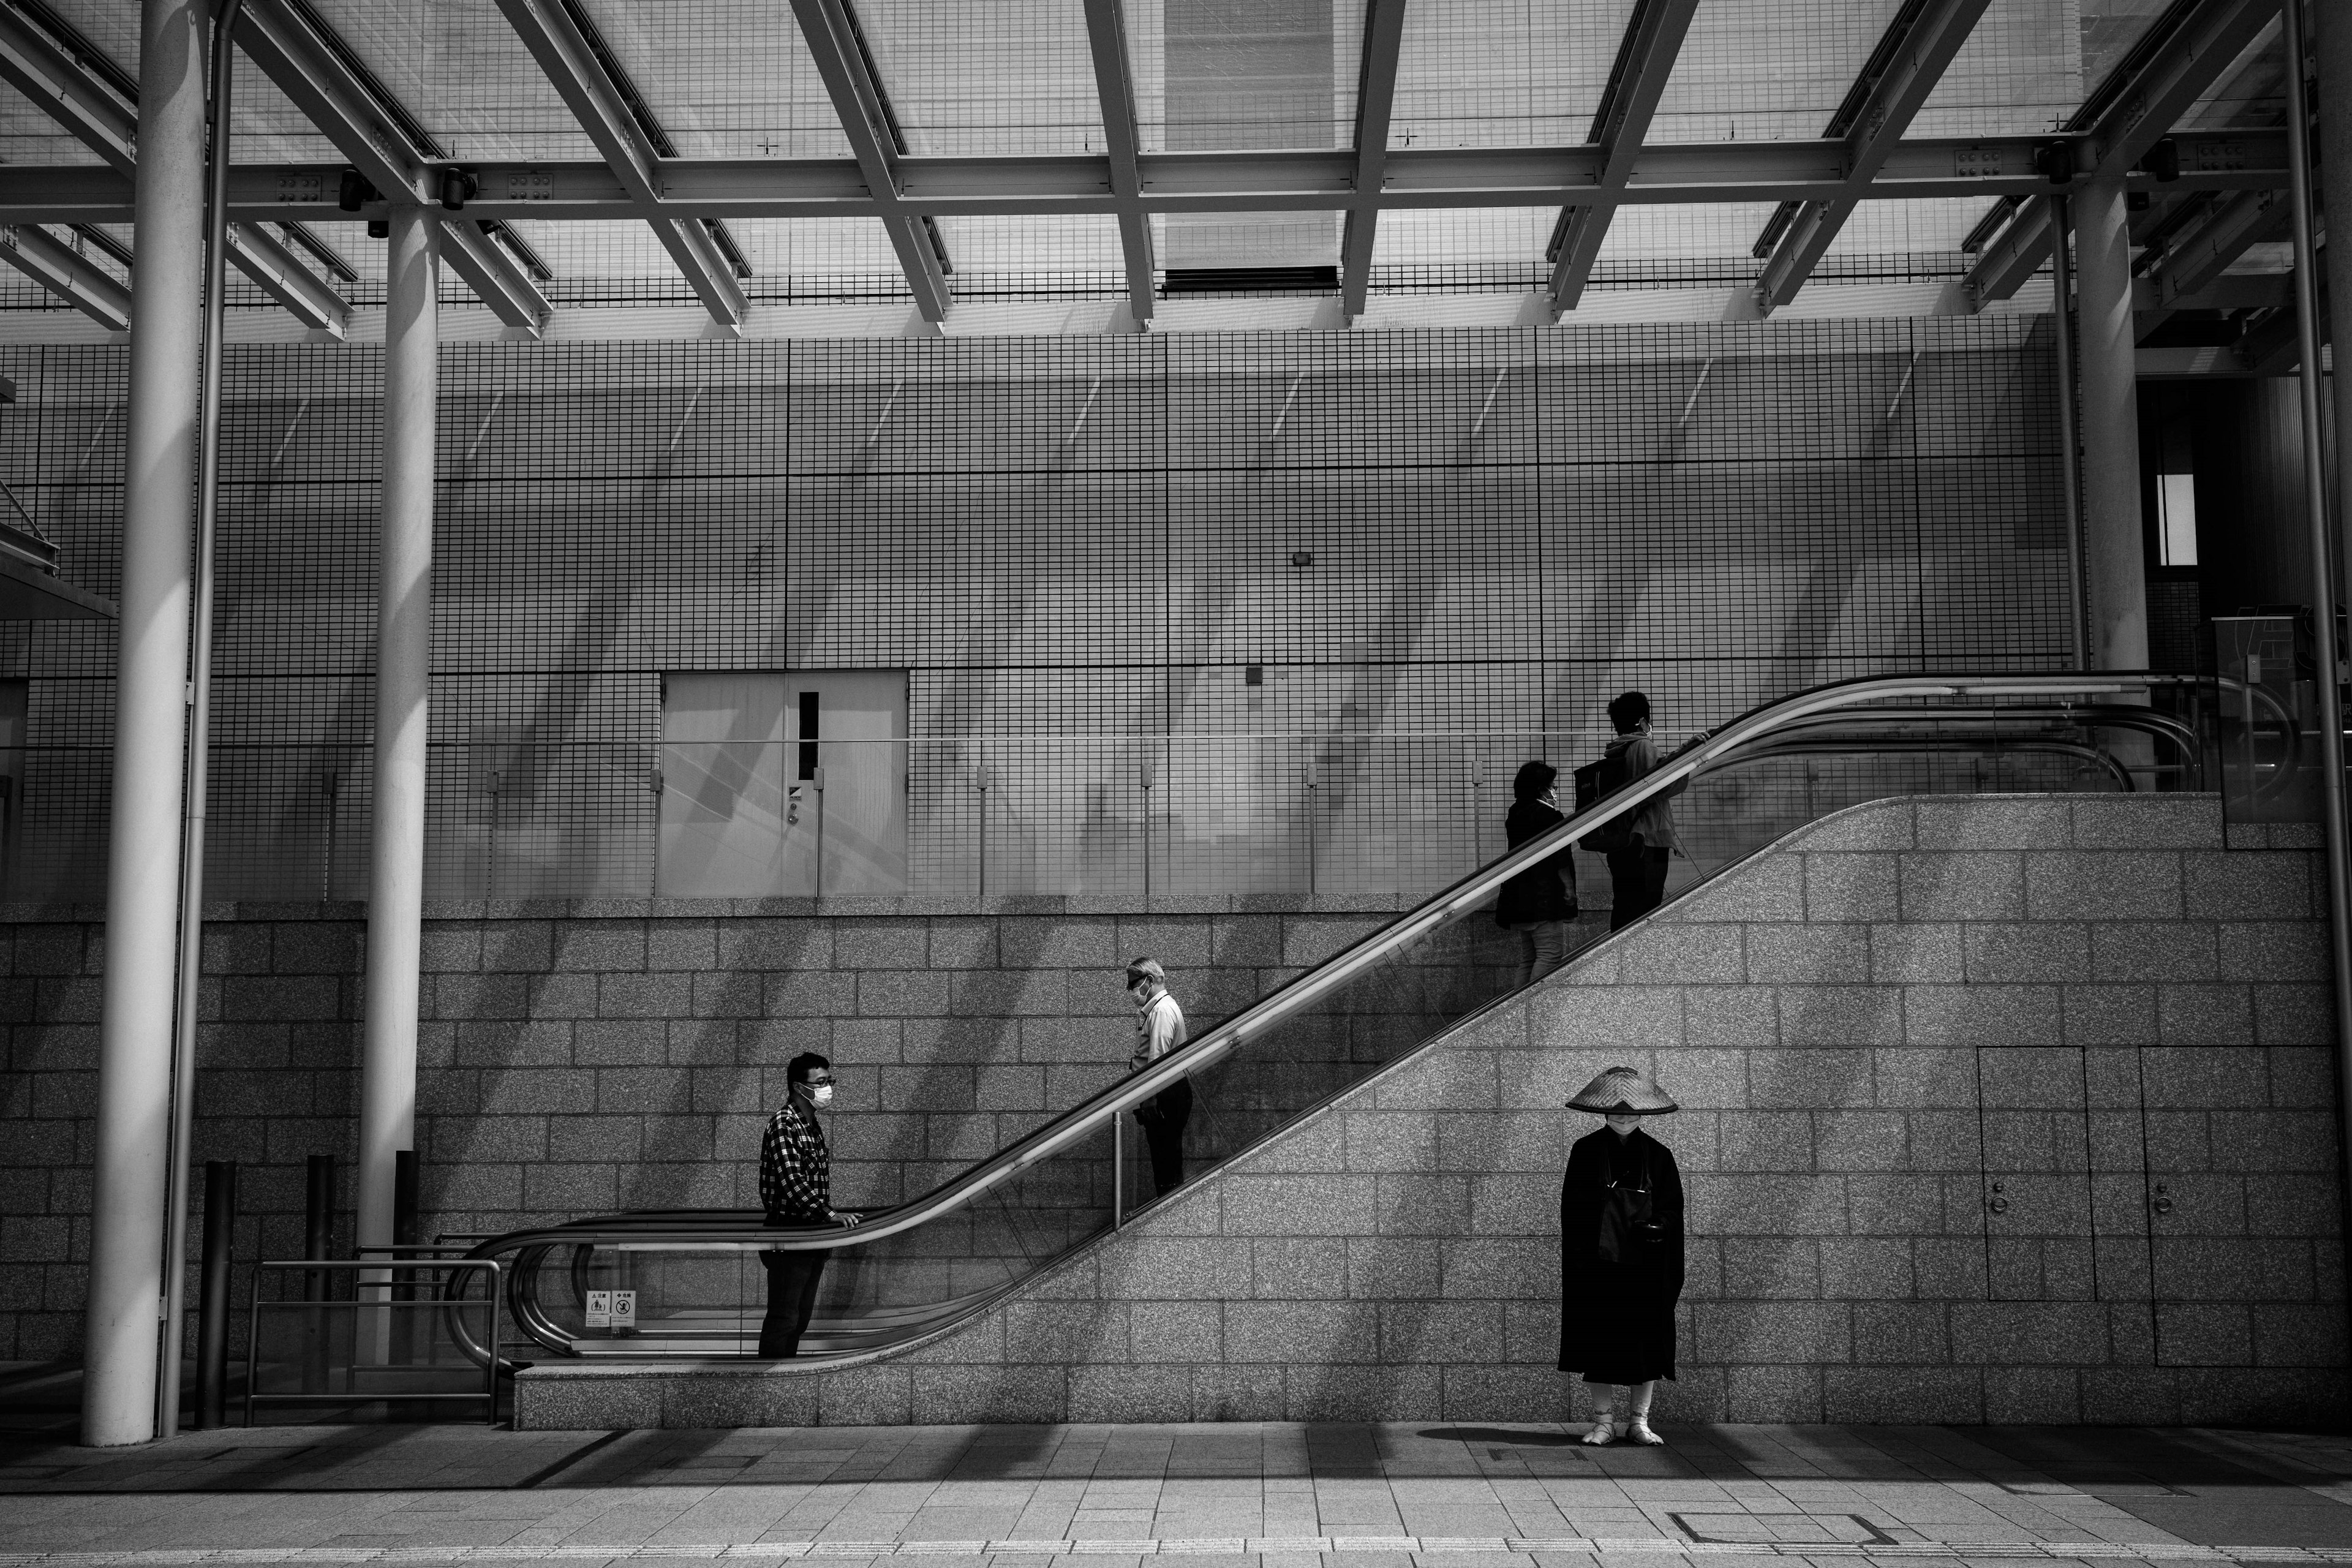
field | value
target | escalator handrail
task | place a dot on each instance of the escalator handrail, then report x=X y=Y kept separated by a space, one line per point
x=1316 y=983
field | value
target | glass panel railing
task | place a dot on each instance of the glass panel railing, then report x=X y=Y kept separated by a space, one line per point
x=914 y=1269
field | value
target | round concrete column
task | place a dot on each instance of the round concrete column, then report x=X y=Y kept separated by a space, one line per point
x=403 y=679
x=142 y=884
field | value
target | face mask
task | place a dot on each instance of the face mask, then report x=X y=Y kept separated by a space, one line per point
x=821 y=1094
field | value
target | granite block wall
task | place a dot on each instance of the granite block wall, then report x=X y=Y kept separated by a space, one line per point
x=579 y=1058
x=2003 y=1109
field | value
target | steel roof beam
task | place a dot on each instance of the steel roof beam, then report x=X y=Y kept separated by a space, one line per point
x=372 y=133
x=1418 y=177
x=493 y=276
x=60 y=87
x=96 y=116
x=289 y=48
x=2130 y=113
x=580 y=78
x=271 y=263
x=873 y=140
x=1893 y=85
x=67 y=273
x=2192 y=260
x=1645 y=59
x=1123 y=141
x=1375 y=98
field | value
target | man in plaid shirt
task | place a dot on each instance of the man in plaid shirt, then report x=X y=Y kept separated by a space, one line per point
x=796 y=1188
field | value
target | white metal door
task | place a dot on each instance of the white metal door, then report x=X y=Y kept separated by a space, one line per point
x=784 y=786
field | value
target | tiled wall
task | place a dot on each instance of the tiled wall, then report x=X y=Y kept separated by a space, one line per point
x=2007 y=1109
x=583 y=1061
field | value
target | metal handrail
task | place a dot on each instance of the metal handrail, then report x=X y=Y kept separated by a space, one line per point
x=748 y=1231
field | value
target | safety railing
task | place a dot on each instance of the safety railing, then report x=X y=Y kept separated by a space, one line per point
x=413 y=1333
x=913 y=1269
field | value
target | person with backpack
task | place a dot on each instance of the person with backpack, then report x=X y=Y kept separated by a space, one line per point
x=1637 y=845
x=1539 y=901
x=1621 y=1254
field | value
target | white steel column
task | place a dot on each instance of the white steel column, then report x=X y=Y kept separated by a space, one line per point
x=404 y=671
x=142 y=887
x=2115 y=580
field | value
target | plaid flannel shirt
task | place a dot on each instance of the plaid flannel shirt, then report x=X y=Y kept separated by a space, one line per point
x=795 y=1171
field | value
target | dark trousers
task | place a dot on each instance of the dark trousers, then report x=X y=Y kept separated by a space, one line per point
x=1637 y=882
x=1163 y=1117
x=791 y=1297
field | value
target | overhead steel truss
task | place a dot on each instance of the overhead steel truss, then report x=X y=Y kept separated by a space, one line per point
x=1123 y=141
x=556 y=34
x=373 y=133
x=1077 y=183
x=103 y=117
x=1864 y=158
x=1653 y=42
x=2182 y=57
x=1893 y=85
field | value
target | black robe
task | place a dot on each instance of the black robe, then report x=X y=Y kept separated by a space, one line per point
x=1617 y=1319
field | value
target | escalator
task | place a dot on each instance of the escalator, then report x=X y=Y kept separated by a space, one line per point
x=914 y=1271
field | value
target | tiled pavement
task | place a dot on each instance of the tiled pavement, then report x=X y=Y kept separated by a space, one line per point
x=1239 y=1496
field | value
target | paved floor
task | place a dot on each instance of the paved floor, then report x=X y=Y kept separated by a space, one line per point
x=1269 y=1496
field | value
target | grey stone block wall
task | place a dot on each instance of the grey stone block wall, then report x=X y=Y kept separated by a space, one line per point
x=578 y=1058
x=1996 y=1109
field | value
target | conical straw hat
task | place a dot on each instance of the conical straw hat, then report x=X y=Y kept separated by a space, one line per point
x=1622 y=1091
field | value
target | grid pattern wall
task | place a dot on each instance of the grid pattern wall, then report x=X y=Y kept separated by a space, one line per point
x=1287 y=598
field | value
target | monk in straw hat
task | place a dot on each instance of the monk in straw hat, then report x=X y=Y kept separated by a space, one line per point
x=1621 y=1254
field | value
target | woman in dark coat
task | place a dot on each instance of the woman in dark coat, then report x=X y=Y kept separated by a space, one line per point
x=1621 y=1256
x=1539 y=901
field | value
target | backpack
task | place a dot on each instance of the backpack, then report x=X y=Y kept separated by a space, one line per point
x=1594 y=783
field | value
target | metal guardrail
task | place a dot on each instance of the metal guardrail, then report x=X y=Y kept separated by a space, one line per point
x=386 y=1264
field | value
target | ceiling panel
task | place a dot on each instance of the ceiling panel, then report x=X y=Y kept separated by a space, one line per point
x=987 y=77
x=1503 y=73
x=737 y=82
x=1767 y=70
x=1235 y=75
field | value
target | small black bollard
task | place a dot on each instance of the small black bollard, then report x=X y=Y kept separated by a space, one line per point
x=318 y=1245
x=404 y=1233
x=318 y=1221
x=212 y=1296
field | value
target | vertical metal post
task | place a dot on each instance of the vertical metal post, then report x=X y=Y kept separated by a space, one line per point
x=2116 y=554
x=2327 y=676
x=1144 y=780
x=330 y=784
x=404 y=1233
x=1119 y=1171
x=404 y=671
x=125 y=1302
x=212 y=1295
x=2069 y=442
x=2331 y=47
x=200 y=716
x=318 y=1245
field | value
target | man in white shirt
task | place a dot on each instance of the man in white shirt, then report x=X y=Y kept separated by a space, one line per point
x=1159 y=1029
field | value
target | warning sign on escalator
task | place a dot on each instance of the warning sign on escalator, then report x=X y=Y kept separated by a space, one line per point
x=613 y=1310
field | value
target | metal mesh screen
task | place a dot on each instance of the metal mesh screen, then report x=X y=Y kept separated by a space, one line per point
x=1292 y=606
